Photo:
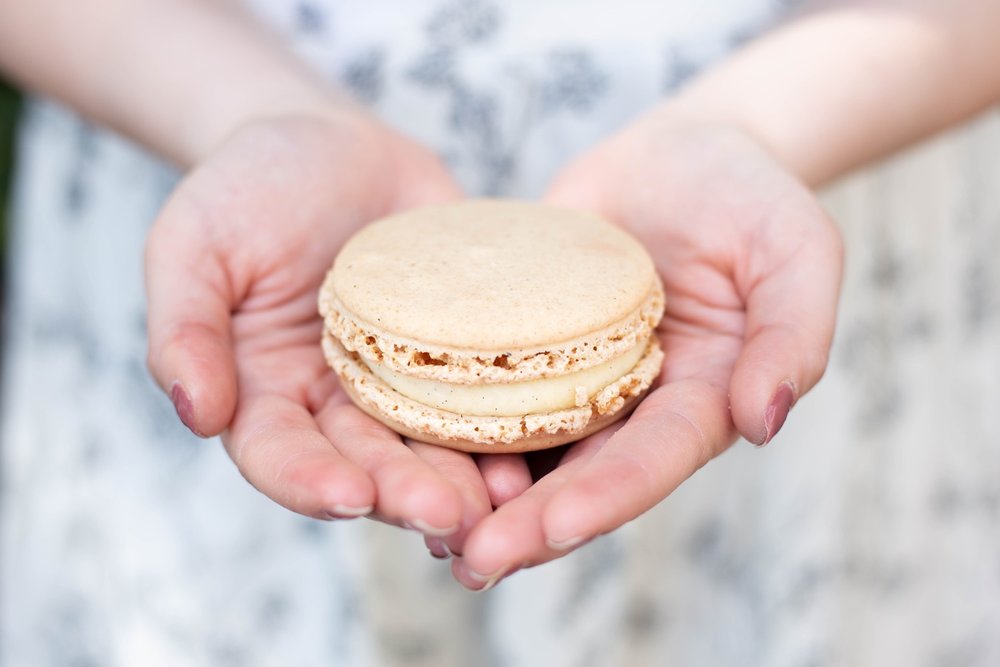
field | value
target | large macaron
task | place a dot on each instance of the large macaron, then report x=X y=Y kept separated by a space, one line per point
x=493 y=326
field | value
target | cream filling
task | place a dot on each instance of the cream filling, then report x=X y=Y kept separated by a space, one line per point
x=515 y=398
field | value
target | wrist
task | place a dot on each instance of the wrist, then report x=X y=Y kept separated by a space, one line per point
x=209 y=69
x=702 y=109
x=219 y=117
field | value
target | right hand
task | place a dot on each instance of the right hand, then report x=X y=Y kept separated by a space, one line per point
x=233 y=266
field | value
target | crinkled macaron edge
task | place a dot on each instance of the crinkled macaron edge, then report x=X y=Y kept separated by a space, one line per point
x=463 y=366
x=490 y=434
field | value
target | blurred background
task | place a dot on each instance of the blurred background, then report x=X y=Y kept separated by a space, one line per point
x=869 y=534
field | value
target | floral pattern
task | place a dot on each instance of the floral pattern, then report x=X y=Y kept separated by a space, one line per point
x=866 y=534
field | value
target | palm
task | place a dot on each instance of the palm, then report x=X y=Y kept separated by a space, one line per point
x=234 y=265
x=750 y=267
x=701 y=229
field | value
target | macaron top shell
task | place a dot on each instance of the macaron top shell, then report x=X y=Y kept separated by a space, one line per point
x=491 y=276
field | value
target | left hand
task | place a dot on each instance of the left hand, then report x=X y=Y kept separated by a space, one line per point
x=751 y=268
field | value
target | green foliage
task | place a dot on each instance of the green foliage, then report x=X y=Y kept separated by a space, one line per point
x=9 y=106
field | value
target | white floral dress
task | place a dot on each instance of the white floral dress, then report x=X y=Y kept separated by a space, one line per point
x=867 y=534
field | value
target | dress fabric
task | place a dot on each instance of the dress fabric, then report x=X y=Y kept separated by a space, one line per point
x=867 y=534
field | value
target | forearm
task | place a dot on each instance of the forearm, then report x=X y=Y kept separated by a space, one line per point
x=177 y=75
x=849 y=82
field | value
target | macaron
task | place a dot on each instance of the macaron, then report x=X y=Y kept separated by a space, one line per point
x=493 y=326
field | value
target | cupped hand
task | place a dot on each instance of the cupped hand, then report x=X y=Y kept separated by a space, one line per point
x=233 y=265
x=751 y=268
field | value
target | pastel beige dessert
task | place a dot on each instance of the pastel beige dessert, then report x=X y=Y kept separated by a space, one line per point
x=493 y=326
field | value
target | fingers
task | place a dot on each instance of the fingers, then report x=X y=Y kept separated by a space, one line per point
x=190 y=346
x=673 y=433
x=604 y=482
x=510 y=538
x=791 y=293
x=410 y=492
x=580 y=185
x=278 y=448
x=461 y=471
x=506 y=476
x=423 y=177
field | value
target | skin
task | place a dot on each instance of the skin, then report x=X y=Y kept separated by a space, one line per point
x=730 y=231
x=282 y=168
x=233 y=326
x=754 y=298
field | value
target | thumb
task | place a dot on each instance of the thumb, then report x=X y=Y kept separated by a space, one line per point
x=190 y=300
x=580 y=185
x=790 y=291
x=422 y=176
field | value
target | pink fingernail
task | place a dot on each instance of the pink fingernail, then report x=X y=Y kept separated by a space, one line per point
x=184 y=407
x=438 y=548
x=777 y=411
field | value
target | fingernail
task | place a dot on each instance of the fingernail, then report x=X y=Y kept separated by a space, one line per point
x=777 y=411
x=184 y=407
x=438 y=548
x=564 y=545
x=488 y=580
x=429 y=530
x=339 y=511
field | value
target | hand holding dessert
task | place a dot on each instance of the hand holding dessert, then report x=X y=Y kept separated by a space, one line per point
x=713 y=182
x=233 y=266
x=284 y=169
x=751 y=272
